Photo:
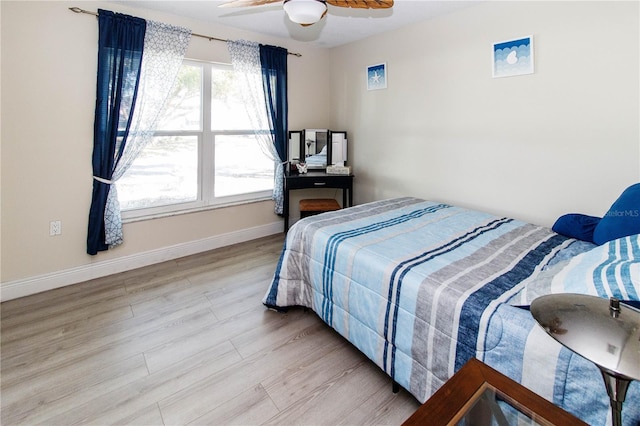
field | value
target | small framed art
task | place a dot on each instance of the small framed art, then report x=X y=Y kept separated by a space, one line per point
x=512 y=57
x=377 y=76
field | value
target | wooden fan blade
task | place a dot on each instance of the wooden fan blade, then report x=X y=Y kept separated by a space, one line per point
x=247 y=3
x=362 y=4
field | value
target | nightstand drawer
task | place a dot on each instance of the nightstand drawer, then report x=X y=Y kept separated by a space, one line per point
x=310 y=181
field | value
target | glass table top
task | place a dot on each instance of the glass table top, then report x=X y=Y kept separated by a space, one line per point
x=478 y=395
x=489 y=407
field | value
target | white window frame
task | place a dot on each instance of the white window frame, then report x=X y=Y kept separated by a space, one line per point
x=206 y=200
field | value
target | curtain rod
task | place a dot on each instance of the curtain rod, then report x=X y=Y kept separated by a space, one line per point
x=210 y=38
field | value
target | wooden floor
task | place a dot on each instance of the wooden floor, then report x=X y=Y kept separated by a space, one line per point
x=186 y=341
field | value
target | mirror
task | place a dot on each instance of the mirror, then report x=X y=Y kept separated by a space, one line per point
x=338 y=148
x=295 y=142
x=316 y=148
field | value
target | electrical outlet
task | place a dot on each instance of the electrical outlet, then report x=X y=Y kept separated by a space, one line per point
x=55 y=228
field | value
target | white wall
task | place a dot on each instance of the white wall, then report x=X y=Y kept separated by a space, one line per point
x=566 y=138
x=48 y=95
x=563 y=139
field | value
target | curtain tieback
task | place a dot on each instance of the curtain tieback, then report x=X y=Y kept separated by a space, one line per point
x=103 y=180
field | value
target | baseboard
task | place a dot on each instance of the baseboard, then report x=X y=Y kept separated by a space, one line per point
x=25 y=287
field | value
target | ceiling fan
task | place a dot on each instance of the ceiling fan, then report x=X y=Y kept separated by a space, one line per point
x=308 y=12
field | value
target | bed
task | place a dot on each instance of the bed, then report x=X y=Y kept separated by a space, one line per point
x=421 y=287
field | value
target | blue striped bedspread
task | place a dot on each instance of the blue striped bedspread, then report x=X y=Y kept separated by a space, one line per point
x=421 y=287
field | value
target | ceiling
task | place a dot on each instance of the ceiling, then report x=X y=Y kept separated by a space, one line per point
x=340 y=26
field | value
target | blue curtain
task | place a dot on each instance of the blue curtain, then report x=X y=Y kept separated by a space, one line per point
x=120 y=46
x=273 y=62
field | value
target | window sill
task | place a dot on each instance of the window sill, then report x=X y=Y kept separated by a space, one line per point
x=192 y=210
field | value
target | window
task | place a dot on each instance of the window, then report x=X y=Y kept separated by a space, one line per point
x=204 y=152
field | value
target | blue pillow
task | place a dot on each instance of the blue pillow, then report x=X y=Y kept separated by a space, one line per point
x=576 y=225
x=622 y=219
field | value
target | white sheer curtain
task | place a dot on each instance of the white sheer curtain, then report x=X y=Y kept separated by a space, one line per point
x=245 y=57
x=164 y=49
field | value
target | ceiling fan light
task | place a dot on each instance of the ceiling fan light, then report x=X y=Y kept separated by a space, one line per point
x=305 y=11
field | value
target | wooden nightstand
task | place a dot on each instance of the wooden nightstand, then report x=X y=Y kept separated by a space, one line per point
x=473 y=396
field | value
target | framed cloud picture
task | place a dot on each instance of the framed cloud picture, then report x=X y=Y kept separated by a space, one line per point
x=377 y=76
x=513 y=57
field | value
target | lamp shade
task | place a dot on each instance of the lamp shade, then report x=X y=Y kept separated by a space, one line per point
x=305 y=11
